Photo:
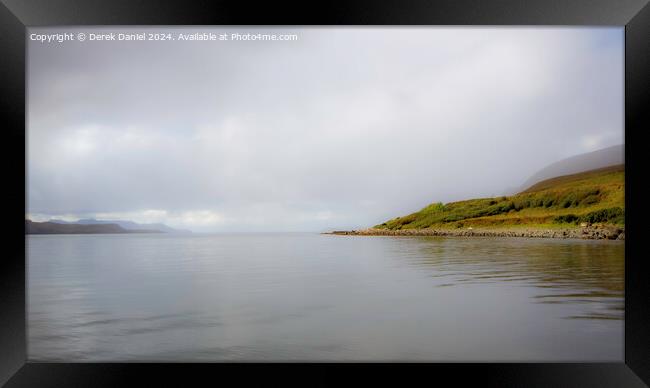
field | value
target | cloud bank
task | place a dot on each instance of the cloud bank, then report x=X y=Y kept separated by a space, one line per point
x=342 y=128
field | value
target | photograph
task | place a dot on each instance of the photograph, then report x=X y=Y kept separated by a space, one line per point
x=200 y=194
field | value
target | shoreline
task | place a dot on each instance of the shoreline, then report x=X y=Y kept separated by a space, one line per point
x=597 y=232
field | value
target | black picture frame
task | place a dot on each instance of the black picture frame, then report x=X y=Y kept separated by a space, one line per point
x=16 y=15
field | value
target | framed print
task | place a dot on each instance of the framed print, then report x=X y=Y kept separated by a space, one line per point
x=449 y=189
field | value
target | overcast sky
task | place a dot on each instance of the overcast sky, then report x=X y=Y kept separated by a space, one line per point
x=343 y=128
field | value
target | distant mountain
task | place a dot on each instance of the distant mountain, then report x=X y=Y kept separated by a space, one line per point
x=551 y=182
x=128 y=225
x=605 y=157
x=32 y=227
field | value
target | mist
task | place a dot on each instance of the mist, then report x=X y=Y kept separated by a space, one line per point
x=341 y=128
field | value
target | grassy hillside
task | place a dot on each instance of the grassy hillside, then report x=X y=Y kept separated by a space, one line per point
x=595 y=197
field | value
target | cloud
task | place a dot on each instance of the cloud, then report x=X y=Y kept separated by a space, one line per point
x=345 y=127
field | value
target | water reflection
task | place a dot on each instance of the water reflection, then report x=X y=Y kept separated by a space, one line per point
x=311 y=297
x=589 y=273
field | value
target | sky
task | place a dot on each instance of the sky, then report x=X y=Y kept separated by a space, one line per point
x=341 y=128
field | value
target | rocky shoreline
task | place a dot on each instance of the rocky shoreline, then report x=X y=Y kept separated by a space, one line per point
x=595 y=232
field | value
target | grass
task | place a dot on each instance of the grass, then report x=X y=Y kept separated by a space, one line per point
x=596 y=196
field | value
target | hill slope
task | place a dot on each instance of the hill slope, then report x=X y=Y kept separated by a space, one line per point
x=595 y=196
x=610 y=156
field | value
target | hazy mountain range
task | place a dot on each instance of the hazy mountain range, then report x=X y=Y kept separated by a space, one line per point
x=56 y=228
x=128 y=225
x=93 y=226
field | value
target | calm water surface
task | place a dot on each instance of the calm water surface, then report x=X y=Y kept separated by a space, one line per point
x=278 y=297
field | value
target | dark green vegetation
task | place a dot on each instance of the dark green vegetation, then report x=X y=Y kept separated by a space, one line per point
x=55 y=228
x=614 y=215
x=595 y=196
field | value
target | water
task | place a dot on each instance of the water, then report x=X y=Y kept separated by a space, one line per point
x=311 y=297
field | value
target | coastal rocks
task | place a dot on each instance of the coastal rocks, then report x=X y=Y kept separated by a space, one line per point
x=603 y=232
x=343 y=232
x=591 y=232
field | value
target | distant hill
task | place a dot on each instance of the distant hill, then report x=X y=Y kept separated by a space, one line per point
x=595 y=196
x=129 y=225
x=32 y=227
x=611 y=156
x=550 y=183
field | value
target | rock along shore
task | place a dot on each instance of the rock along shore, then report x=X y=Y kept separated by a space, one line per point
x=596 y=232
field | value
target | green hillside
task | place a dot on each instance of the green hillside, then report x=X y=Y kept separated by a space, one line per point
x=594 y=197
